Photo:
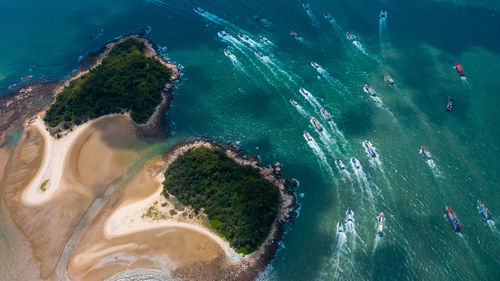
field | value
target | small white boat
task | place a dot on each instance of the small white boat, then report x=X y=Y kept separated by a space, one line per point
x=293 y=102
x=340 y=164
x=325 y=114
x=349 y=215
x=227 y=52
x=383 y=15
x=369 y=90
x=340 y=228
x=222 y=33
x=315 y=64
x=316 y=124
x=380 y=224
x=355 y=162
x=199 y=10
x=307 y=136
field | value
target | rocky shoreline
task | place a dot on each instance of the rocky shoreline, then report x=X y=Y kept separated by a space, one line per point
x=249 y=267
x=36 y=97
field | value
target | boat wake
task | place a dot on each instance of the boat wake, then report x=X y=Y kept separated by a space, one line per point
x=332 y=81
x=234 y=60
x=341 y=240
x=376 y=243
x=311 y=99
x=434 y=168
x=301 y=110
x=492 y=226
x=320 y=155
x=359 y=46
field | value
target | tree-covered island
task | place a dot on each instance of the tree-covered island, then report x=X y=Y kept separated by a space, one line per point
x=126 y=81
x=239 y=202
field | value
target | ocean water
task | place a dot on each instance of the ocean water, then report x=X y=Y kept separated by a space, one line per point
x=244 y=98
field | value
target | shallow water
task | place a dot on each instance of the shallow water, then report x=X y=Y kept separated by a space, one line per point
x=418 y=45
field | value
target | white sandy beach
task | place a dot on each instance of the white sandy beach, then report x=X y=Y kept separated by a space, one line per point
x=129 y=219
x=56 y=152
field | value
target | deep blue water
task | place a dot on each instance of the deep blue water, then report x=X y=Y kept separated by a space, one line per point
x=246 y=100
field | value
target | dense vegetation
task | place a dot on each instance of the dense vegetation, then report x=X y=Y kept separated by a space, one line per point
x=126 y=80
x=240 y=204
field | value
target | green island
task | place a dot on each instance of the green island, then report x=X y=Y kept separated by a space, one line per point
x=239 y=202
x=126 y=80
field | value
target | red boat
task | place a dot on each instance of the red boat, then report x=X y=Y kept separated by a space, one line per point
x=459 y=69
x=294 y=34
x=453 y=219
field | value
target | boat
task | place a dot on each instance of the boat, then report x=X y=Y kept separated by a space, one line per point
x=449 y=105
x=380 y=224
x=257 y=17
x=199 y=10
x=316 y=124
x=293 y=102
x=328 y=17
x=294 y=34
x=453 y=219
x=459 y=69
x=339 y=163
x=325 y=114
x=483 y=210
x=306 y=6
x=369 y=148
x=263 y=39
x=383 y=14
x=242 y=36
x=227 y=52
x=304 y=92
x=340 y=227
x=259 y=53
x=355 y=162
x=315 y=64
x=222 y=33
x=307 y=136
x=426 y=152
x=369 y=90
x=349 y=36
x=349 y=215
x=388 y=79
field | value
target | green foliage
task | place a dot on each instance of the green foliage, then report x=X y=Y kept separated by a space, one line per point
x=43 y=186
x=126 y=80
x=239 y=202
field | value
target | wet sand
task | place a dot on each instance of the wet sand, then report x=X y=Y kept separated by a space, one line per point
x=47 y=227
x=152 y=245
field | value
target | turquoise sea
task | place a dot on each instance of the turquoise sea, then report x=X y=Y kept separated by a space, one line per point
x=244 y=98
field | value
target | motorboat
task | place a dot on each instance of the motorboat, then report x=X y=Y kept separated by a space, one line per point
x=325 y=114
x=349 y=215
x=449 y=105
x=339 y=163
x=294 y=34
x=349 y=36
x=383 y=15
x=263 y=39
x=306 y=7
x=227 y=52
x=199 y=10
x=259 y=53
x=369 y=90
x=426 y=152
x=315 y=64
x=328 y=17
x=293 y=102
x=242 y=36
x=307 y=136
x=388 y=79
x=340 y=228
x=257 y=17
x=316 y=124
x=380 y=224
x=304 y=92
x=369 y=148
x=459 y=69
x=222 y=33
x=483 y=210
x=453 y=219
x=355 y=162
